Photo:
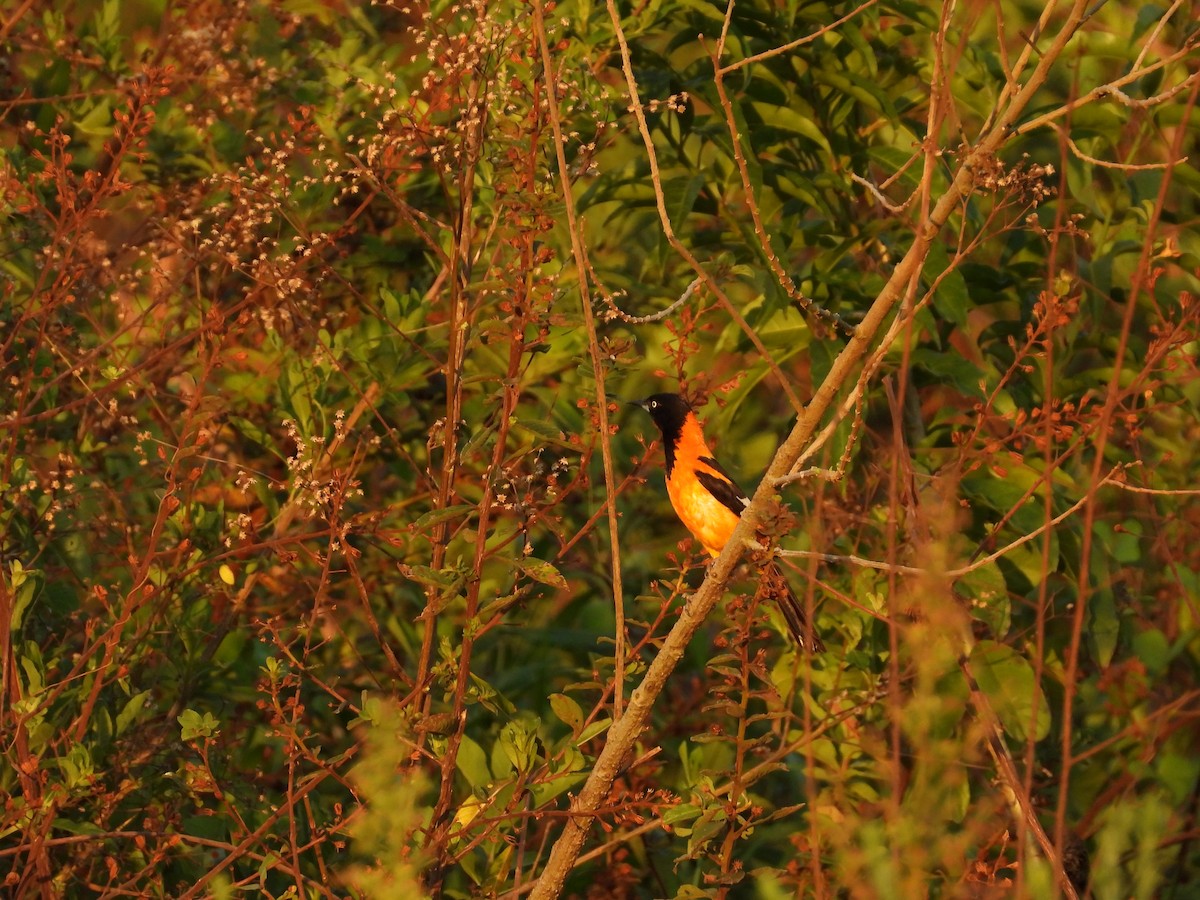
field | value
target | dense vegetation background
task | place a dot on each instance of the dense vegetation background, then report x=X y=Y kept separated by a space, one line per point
x=329 y=553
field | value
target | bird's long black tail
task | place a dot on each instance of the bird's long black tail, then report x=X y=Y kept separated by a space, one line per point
x=778 y=587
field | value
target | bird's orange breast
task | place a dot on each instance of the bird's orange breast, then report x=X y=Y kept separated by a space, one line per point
x=706 y=517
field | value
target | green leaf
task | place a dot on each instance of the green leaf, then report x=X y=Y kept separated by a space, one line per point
x=1105 y=625
x=193 y=725
x=1153 y=650
x=76 y=766
x=540 y=570
x=598 y=727
x=472 y=763
x=97 y=121
x=963 y=375
x=24 y=586
x=1178 y=769
x=567 y=711
x=34 y=669
x=789 y=120
x=520 y=745
x=986 y=592
x=293 y=384
x=135 y=707
x=680 y=196
x=543 y=430
x=1007 y=680
x=691 y=891
x=436 y=516
x=951 y=298
x=862 y=89
x=545 y=791
x=684 y=812
x=443 y=578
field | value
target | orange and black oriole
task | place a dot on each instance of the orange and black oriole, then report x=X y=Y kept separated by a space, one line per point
x=710 y=504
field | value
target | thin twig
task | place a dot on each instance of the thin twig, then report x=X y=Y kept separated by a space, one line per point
x=961 y=570
x=577 y=250
x=880 y=199
x=799 y=42
x=782 y=278
x=1124 y=167
x=619 y=313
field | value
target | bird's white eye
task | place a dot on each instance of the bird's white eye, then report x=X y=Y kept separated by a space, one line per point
x=654 y=404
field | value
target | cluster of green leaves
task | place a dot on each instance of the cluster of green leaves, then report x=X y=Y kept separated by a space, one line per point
x=305 y=580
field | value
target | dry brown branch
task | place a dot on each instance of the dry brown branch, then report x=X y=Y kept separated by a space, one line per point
x=1113 y=89
x=619 y=313
x=894 y=208
x=1010 y=778
x=1123 y=167
x=577 y=250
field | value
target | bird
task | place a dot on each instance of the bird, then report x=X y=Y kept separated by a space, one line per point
x=709 y=502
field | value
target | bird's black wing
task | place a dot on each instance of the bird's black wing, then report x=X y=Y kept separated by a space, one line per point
x=722 y=486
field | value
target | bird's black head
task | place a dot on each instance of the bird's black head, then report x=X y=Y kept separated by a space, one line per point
x=668 y=412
